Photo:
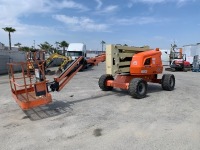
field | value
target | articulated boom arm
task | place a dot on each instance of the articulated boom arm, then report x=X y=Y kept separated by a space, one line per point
x=60 y=81
x=96 y=60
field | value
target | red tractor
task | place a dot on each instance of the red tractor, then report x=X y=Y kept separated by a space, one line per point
x=178 y=60
x=180 y=65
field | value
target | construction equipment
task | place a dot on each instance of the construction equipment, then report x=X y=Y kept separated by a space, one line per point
x=30 y=93
x=130 y=68
x=35 y=55
x=63 y=65
x=178 y=60
x=96 y=60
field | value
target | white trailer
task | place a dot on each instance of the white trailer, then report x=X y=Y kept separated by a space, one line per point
x=190 y=51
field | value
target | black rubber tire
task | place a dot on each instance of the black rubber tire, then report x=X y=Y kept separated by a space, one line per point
x=102 y=82
x=185 y=69
x=84 y=63
x=168 y=82
x=138 y=88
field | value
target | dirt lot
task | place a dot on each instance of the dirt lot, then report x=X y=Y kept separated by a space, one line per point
x=84 y=117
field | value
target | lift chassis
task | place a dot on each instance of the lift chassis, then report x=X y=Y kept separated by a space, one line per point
x=145 y=65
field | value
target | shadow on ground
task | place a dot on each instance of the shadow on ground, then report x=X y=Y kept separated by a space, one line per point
x=57 y=108
x=62 y=107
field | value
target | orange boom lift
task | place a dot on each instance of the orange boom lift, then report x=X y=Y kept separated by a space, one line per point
x=31 y=90
x=130 y=68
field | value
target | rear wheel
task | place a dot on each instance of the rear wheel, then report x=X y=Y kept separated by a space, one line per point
x=138 y=88
x=168 y=82
x=102 y=82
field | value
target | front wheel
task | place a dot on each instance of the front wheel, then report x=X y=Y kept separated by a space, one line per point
x=138 y=88
x=102 y=82
x=168 y=82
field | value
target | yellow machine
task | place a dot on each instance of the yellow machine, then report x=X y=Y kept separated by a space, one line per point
x=34 y=56
x=66 y=60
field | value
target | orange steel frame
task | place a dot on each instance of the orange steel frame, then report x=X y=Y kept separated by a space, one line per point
x=97 y=59
x=122 y=81
x=64 y=78
x=23 y=88
x=29 y=94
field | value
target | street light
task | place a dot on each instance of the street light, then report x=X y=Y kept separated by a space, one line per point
x=103 y=42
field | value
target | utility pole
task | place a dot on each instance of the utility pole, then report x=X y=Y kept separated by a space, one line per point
x=103 y=42
x=34 y=44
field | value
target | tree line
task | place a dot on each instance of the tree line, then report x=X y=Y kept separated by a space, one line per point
x=44 y=46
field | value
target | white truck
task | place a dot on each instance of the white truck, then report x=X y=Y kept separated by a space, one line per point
x=75 y=50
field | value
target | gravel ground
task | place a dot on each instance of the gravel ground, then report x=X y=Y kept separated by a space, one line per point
x=82 y=117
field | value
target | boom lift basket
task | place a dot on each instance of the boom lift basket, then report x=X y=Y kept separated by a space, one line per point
x=31 y=89
x=26 y=92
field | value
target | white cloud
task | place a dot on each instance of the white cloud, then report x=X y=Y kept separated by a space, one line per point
x=25 y=34
x=108 y=9
x=138 y=20
x=148 y=1
x=99 y=2
x=12 y=10
x=67 y=4
x=178 y=2
x=81 y=23
x=183 y=2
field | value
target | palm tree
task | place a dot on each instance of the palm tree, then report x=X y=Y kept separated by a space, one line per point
x=9 y=30
x=64 y=44
x=18 y=44
x=25 y=49
x=57 y=44
x=47 y=47
x=103 y=42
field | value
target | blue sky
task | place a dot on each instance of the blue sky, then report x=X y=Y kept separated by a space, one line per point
x=156 y=23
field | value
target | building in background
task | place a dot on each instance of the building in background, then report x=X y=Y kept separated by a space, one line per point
x=165 y=57
x=191 y=50
x=2 y=46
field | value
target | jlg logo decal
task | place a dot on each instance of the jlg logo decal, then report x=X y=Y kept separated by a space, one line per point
x=143 y=71
x=134 y=62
